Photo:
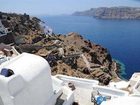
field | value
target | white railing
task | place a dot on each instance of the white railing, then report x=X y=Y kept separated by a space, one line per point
x=78 y=81
x=110 y=91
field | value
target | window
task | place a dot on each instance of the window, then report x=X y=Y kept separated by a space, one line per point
x=6 y=72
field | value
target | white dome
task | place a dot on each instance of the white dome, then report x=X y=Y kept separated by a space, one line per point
x=31 y=83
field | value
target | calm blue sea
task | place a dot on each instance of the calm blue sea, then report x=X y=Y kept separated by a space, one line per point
x=121 y=37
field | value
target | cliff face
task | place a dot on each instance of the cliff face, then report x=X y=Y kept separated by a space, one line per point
x=69 y=54
x=75 y=56
x=112 y=13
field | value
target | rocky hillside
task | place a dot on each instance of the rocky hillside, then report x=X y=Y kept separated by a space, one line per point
x=69 y=54
x=23 y=27
x=112 y=13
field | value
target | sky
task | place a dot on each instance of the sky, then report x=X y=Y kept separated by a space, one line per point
x=58 y=7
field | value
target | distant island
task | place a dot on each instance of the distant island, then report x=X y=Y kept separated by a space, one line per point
x=111 y=13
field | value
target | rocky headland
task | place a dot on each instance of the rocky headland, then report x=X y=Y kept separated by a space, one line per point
x=69 y=54
x=112 y=13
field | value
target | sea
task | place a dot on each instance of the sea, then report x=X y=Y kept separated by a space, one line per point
x=120 y=37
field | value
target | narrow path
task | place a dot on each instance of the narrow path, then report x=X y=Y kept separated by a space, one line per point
x=86 y=61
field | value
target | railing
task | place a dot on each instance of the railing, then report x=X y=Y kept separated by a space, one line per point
x=110 y=91
x=78 y=81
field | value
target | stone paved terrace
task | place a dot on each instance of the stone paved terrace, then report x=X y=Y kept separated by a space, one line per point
x=83 y=96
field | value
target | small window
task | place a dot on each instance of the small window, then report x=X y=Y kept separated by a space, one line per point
x=6 y=72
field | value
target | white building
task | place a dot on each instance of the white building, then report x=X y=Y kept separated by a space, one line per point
x=3 y=30
x=46 y=29
x=135 y=83
x=31 y=83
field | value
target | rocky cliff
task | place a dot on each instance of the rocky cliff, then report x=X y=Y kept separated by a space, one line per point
x=69 y=54
x=112 y=13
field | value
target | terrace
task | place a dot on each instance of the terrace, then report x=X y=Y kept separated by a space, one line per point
x=84 y=90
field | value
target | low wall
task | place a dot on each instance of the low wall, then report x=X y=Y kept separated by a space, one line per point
x=110 y=91
x=78 y=81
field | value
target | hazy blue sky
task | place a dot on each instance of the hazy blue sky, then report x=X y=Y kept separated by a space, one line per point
x=55 y=7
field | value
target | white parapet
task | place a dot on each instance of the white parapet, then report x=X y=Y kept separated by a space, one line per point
x=108 y=91
x=81 y=82
x=120 y=84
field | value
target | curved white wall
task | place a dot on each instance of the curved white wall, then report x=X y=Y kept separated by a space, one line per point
x=30 y=85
